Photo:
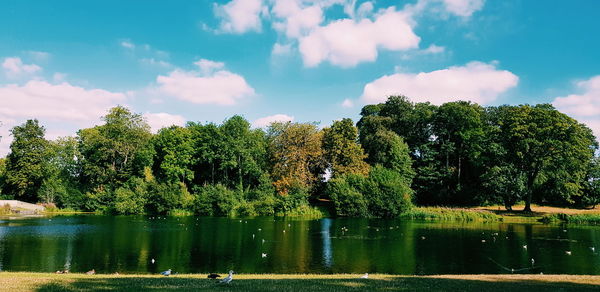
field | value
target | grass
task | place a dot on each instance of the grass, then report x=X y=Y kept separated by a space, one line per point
x=449 y=214
x=572 y=218
x=296 y=282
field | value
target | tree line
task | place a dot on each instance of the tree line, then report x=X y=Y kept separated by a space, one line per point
x=399 y=154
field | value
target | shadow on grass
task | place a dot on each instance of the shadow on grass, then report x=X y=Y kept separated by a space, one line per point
x=304 y=285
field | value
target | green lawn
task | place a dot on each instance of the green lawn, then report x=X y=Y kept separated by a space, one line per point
x=265 y=282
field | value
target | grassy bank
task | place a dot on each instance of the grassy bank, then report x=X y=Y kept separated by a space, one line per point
x=339 y=282
x=572 y=218
x=450 y=214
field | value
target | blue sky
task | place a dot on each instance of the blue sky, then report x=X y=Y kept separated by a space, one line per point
x=67 y=62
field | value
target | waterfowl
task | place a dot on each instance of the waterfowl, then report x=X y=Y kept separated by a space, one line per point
x=227 y=279
x=213 y=276
x=166 y=273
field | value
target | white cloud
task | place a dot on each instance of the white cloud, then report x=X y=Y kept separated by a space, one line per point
x=210 y=85
x=240 y=16
x=155 y=62
x=347 y=103
x=346 y=42
x=280 y=50
x=365 y=9
x=433 y=49
x=128 y=45
x=14 y=68
x=463 y=8
x=478 y=82
x=208 y=66
x=266 y=121
x=161 y=120
x=60 y=102
x=585 y=105
x=295 y=20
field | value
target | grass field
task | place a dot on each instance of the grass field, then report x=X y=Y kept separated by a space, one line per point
x=340 y=282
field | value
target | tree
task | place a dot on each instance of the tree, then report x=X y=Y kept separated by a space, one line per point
x=296 y=155
x=115 y=151
x=341 y=149
x=540 y=141
x=174 y=154
x=27 y=162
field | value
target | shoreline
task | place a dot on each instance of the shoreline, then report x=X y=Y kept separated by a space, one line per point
x=25 y=281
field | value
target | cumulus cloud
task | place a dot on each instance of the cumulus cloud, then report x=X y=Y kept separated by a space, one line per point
x=61 y=102
x=266 y=121
x=280 y=50
x=347 y=42
x=295 y=19
x=240 y=16
x=14 y=68
x=162 y=120
x=478 y=82
x=584 y=105
x=210 y=85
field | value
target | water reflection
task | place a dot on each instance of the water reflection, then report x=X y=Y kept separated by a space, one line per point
x=199 y=244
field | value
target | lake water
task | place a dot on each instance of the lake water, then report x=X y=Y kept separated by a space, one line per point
x=127 y=244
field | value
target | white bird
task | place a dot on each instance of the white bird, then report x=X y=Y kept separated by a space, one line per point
x=532 y=262
x=259 y=229
x=153 y=261
x=568 y=252
x=365 y=276
x=264 y=255
x=263 y=241
x=593 y=249
x=227 y=279
x=525 y=246
x=252 y=235
x=483 y=240
x=166 y=273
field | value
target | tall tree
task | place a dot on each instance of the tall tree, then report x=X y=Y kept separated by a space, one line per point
x=296 y=155
x=117 y=150
x=341 y=149
x=174 y=154
x=27 y=161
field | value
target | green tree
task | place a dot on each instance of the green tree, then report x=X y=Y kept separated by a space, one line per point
x=341 y=149
x=174 y=154
x=115 y=151
x=27 y=161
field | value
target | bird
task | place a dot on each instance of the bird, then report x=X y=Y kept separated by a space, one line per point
x=483 y=240
x=593 y=249
x=422 y=237
x=166 y=273
x=91 y=272
x=525 y=246
x=532 y=262
x=153 y=261
x=227 y=279
x=365 y=276
x=568 y=252
x=264 y=255
x=213 y=276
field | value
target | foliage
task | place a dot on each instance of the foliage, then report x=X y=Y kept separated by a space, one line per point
x=341 y=149
x=448 y=214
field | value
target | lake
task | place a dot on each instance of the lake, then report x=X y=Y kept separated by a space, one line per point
x=127 y=244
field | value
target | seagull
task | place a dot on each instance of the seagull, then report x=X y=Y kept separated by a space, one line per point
x=153 y=261
x=525 y=246
x=91 y=272
x=264 y=255
x=166 y=273
x=365 y=276
x=213 y=276
x=483 y=240
x=227 y=279
x=532 y=262
x=568 y=252
x=422 y=237
x=593 y=249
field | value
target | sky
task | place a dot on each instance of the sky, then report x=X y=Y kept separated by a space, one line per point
x=67 y=62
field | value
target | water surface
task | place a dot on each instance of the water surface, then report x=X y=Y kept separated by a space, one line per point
x=127 y=244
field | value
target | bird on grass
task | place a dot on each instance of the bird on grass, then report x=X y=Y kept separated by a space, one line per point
x=227 y=279
x=213 y=276
x=166 y=273
x=365 y=276
x=91 y=272
x=62 y=272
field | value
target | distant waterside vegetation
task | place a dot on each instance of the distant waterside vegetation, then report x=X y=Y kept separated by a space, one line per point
x=399 y=154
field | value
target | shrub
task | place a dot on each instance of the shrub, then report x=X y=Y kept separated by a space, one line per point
x=387 y=192
x=346 y=197
x=129 y=202
x=99 y=200
x=216 y=200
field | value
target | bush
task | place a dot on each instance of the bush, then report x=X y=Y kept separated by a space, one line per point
x=216 y=200
x=387 y=192
x=99 y=200
x=164 y=197
x=128 y=202
x=346 y=197
x=296 y=196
